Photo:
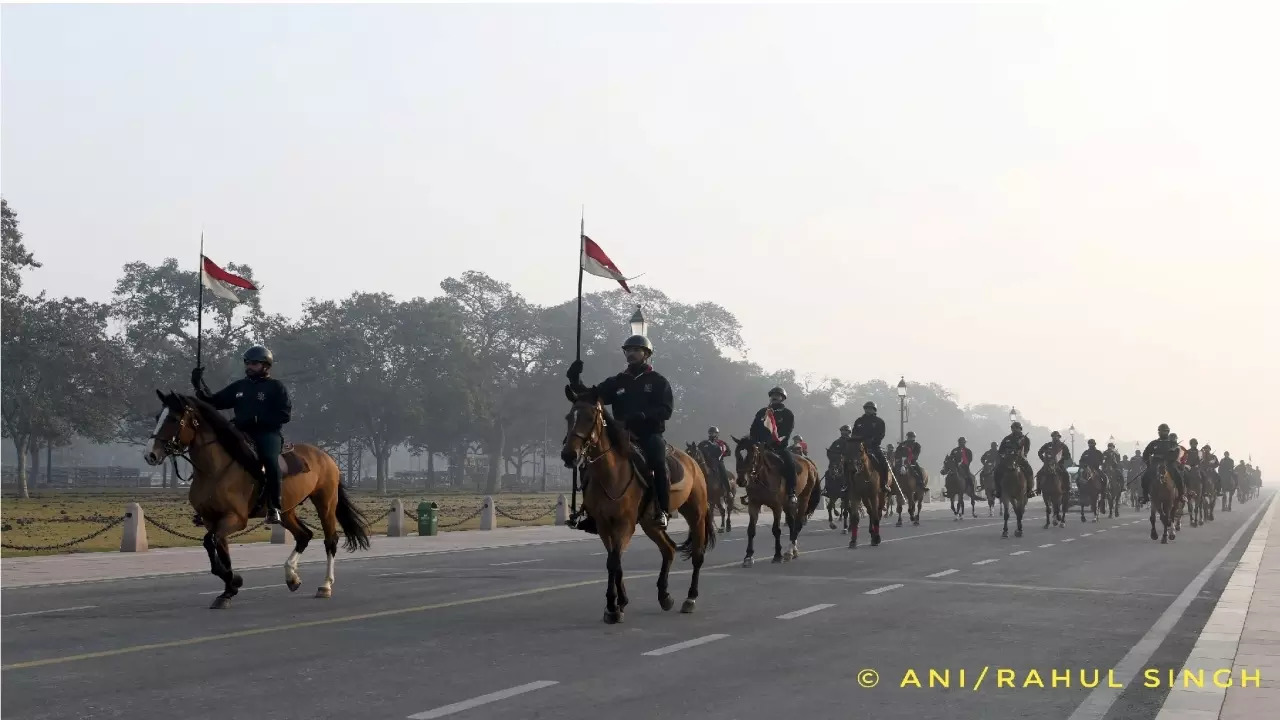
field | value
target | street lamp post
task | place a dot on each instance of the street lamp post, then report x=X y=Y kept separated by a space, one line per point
x=1072 y=430
x=1013 y=414
x=902 y=408
x=639 y=326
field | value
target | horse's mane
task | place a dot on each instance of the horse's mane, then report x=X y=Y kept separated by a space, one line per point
x=613 y=430
x=229 y=436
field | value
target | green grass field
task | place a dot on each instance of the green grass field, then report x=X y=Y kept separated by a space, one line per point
x=51 y=517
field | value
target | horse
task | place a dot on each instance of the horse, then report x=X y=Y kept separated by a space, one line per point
x=1209 y=484
x=1227 y=481
x=616 y=491
x=1054 y=492
x=864 y=485
x=910 y=490
x=956 y=490
x=1114 y=489
x=226 y=492
x=1093 y=484
x=1192 y=496
x=987 y=476
x=760 y=472
x=1013 y=482
x=719 y=482
x=1164 y=496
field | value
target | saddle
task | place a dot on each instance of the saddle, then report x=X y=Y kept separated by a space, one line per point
x=675 y=471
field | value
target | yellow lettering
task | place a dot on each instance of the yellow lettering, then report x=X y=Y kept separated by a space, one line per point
x=1217 y=678
x=1111 y=679
x=940 y=680
x=1172 y=672
x=1151 y=678
x=910 y=678
x=961 y=677
x=1086 y=683
x=1244 y=678
x=1190 y=677
x=1005 y=677
x=1065 y=677
x=1033 y=677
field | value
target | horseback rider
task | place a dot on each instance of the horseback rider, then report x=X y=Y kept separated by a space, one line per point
x=1046 y=454
x=834 y=450
x=1091 y=458
x=1111 y=458
x=642 y=398
x=909 y=452
x=1163 y=447
x=772 y=426
x=1227 y=468
x=1016 y=445
x=869 y=429
x=713 y=446
x=961 y=457
x=262 y=407
x=799 y=446
x=1193 y=454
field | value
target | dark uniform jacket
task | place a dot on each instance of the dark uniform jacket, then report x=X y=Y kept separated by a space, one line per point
x=962 y=457
x=641 y=398
x=781 y=415
x=869 y=429
x=261 y=404
x=1092 y=458
x=1013 y=444
x=1051 y=448
x=908 y=450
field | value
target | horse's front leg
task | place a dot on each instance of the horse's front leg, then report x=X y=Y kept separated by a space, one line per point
x=753 y=516
x=777 y=535
x=613 y=562
x=232 y=580
x=668 y=551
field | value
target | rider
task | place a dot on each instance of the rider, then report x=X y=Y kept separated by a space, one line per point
x=869 y=429
x=643 y=399
x=909 y=452
x=1193 y=453
x=799 y=446
x=1091 y=458
x=1227 y=468
x=1166 y=447
x=772 y=425
x=1046 y=453
x=262 y=407
x=1110 y=457
x=713 y=446
x=1017 y=445
x=990 y=458
x=961 y=457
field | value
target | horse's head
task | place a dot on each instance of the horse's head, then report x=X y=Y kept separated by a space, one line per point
x=692 y=450
x=175 y=430
x=853 y=455
x=747 y=456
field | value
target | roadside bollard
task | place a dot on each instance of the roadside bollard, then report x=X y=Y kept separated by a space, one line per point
x=562 y=510
x=427 y=519
x=134 y=538
x=395 y=521
x=279 y=535
x=488 y=515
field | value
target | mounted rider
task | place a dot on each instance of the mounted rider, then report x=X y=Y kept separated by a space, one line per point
x=961 y=457
x=772 y=426
x=714 y=447
x=1111 y=458
x=642 y=399
x=1055 y=448
x=799 y=446
x=1163 y=447
x=1091 y=458
x=262 y=407
x=1227 y=468
x=909 y=452
x=1016 y=445
x=1193 y=454
x=869 y=430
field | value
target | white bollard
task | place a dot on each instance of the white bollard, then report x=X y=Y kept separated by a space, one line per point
x=488 y=514
x=134 y=538
x=279 y=535
x=562 y=510
x=395 y=521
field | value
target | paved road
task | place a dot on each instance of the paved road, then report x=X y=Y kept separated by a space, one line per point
x=519 y=630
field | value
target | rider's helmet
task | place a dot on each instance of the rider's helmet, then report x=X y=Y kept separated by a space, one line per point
x=1111 y=446
x=258 y=353
x=713 y=430
x=1092 y=442
x=777 y=390
x=638 y=341
x=1055 y=435
x=911 y=435
x=961 y=441
x=1207 y=448
x=845 y=429
x=1016 y=426
x=797 y=439
x=1194 y=441
x=870 y=407
x=1163 y=429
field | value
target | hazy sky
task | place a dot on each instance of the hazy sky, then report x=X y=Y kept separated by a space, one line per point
x=1072 y=208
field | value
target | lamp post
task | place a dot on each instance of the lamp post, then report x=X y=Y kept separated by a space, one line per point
x=1072 y=430
x=639 y=326
x=902 y=408
x=1013 y=414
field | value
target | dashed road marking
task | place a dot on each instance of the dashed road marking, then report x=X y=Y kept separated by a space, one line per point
x=1069 y=540
x=1048 y=545
x=514 y=562
x=685 y=645
x=944 y=573
x=884 y=589
x=804 y=611
x=482 y=700
x=54 y=610
x=1020 y=552
x=986 y=562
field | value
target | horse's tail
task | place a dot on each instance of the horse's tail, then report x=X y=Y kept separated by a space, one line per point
x=353 y=522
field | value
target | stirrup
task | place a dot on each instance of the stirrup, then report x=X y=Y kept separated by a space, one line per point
x=272 y=517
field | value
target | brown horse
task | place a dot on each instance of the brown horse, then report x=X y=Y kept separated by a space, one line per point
x=225 y=494
x=1164 y=498
x=1014 y=482
x=1092 y=486
x=760 y=472
x=987 y=476
x=1192 y=497
x=909 y=490
x=1210 y=482
x=615 y=495
x=865 y=487
x=1114 y=489
x=719 y=482
x=955 y=488
x=1227 y=481
x=1055 y=494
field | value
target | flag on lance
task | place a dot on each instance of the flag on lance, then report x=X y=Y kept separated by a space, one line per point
x=597 y=263
x=219 y=281
x=771 y=423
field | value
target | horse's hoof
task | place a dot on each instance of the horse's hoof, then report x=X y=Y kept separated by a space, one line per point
x=853 y=543
x=666 y=602
x=1017 y=533
x=777 y=559
x=899 y=523
x=688 y=606
x=1164 y=541
x=831 y=526
x=875 y=541
x=748 y=562
x=1005 y=535
x=1155 y=535
x=915 y=522
x=324 y=592
x=220 y=603
x=293 y=584
x=612 y=618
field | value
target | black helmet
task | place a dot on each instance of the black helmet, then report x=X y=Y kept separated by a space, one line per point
x=1055 y=435
x=1015 y=425
x=713 y=429
x=1092 y=441
x=1111 y=444
x=1207 y=448
x=776 y=390
x=845 y=429
x=869 y=406
x=994 y=444
x=1173 y=437
x=1164 y=428
x=259 y=353
x=911 y=433
x=638 y=341
x=1195 y=441
x=961 y=441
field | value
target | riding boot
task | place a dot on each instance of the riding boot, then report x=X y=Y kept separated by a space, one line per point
x=586 y=523
x=654 y=447
x=1146 y=487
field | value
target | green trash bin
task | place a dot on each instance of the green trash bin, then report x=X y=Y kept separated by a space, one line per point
x=426 y=518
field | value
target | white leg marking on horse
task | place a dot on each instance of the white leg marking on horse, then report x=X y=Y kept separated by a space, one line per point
x=291 y=567
x=328 y=573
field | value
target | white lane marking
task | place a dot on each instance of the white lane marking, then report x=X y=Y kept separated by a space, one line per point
x=944 y=573
x=514 y=562
x=686 y=644
x=600 y=553
x=1020 y=552
x=1086 y=535
x=43 y=612
x=805 y=611
x=1069 y=540
x=1047 y=545
x=985 y=562
x=886 y=588
x=1102 y=530
x=251 y=587
x=482 y=700
x=1100 y=701
x=406 y=572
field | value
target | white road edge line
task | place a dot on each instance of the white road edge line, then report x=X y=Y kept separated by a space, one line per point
x=514 y=562
x=251 y=587
x=804 y=611
x=44 y=612
x=1100 y=701
x=684 y=645
x=944 y=573
x=886 y=588
x=986 y=562
x=482 y=700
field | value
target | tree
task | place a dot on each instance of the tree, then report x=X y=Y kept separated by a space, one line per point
x=15 y=256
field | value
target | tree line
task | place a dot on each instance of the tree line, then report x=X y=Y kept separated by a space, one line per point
x=476 y=368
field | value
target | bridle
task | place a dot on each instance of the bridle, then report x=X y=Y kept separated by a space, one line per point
x=173 y=447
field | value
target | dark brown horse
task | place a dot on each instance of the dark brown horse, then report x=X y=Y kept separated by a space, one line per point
x=1014 y=483
x=760 y=472
x=616 y=496
x=1227 y=481
x=909 y=490
x=1092 y=488
x=955 y=487
x=865 y=488
x=719 y=482
x=1115 y=489
x=225 y=494
x=1164 y=501
x=1055 y=492
x=987 y=476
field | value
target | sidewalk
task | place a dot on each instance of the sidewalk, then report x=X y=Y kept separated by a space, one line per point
x=1243 y=633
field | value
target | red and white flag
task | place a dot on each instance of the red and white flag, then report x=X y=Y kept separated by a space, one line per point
x=771 y=423
x=597 y=263
x=220 y=281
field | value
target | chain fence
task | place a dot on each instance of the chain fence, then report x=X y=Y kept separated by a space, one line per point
x=64 y=545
